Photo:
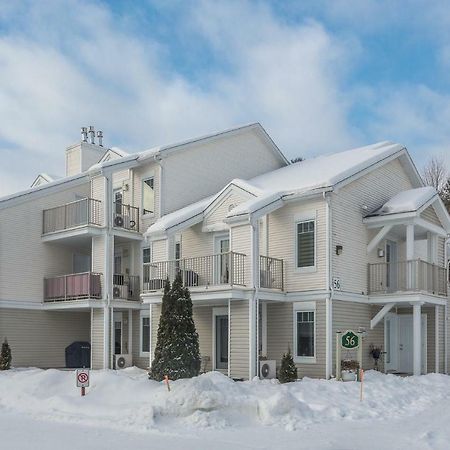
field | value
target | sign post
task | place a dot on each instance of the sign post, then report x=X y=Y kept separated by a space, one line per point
x=83 y=380
x=348 y=340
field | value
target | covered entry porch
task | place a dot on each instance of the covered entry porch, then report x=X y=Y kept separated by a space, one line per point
x=414 y=335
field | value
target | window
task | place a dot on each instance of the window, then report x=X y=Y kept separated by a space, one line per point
x=145 y=331
x=148 y=196
x=146 y=258
x=306 y=244
x=118 y=199
x=304 y=332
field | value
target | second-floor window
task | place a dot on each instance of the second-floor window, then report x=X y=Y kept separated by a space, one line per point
x=148 y=195
x=306 y=244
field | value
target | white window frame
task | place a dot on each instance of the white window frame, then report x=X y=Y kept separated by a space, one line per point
x=219 y=311
x=304 y=307
x=301 y=218
x=143 y=314
x=149 y=177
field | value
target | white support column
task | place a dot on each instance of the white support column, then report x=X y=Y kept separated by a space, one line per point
x=410 y=255
x=417 y=339
x=229 y=338
x=112 y=342
x=436 y=343
x=130 y=331
x=150 y=357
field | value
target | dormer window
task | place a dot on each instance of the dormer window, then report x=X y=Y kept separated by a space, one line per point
x=148 y=195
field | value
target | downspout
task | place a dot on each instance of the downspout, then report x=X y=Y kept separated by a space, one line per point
x=330 y=291
x=254 y=306
x=446 y=243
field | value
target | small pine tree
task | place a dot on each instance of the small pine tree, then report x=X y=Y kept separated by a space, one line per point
x=177 y=352
x=5 y=356
x=288 y=371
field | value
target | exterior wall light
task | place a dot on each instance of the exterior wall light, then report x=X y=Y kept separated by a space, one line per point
x=339 y=249
x=380 y=252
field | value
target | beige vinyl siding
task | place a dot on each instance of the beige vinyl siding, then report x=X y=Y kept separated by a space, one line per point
x=159 y=250
x=97 y=338
x=352 y=316
x=203 y=319
x=73 y=161
x=371 y=191
x=241 y=242
x=98 y=188
x=23 y=255
x=280 y=336
x=430 y=216
x=140 y=361
x=98 y=257
x=239 y=339
x=431 y=338
x=39 y=338
x=218 y=211
x=156 y=314
x=441 y=251
x=282 y=244
x=214 y=163
x=195 y=243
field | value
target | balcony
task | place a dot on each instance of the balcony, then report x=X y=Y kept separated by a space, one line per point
x=125 y=217
x=407 y=276
x=126 y=287
x=87 y=211
x=271 y=272
x=78 y=286
x=213 y=270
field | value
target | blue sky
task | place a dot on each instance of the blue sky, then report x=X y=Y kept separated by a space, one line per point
x=320 y=76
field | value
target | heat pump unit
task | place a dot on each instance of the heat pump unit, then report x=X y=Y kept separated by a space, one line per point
x=122 y=361
x=267 y=369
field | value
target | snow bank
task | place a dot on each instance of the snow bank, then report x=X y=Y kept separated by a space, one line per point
x=127 y=400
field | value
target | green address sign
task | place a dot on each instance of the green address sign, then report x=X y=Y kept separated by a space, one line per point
x=350 y=340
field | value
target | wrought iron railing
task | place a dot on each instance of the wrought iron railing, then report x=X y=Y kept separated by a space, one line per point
x=87 y=211
x=271 y=272
x=75 y=286
x=413 y=275
x=126 y=287
x=221 y=269
x=125 y=216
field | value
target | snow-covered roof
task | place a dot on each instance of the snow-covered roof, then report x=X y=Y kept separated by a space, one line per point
x=314 y=174
x=407 y=201
x=44 y=178
x=304 y=177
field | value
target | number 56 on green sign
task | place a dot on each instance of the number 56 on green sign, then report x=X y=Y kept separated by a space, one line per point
x=350 y=340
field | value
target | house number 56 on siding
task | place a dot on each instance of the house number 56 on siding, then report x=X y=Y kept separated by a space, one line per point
x=336 y=284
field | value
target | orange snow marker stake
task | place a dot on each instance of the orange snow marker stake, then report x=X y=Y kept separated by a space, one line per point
x=361 y=379
x=166 y=380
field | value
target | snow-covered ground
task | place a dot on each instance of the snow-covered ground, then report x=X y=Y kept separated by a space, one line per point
x=44 y=409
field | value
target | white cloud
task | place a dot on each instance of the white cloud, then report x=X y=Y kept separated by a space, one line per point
x=63 y=73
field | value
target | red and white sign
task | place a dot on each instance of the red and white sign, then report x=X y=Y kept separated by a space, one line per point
x=82 y=378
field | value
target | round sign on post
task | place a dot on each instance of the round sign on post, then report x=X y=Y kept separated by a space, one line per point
x=82 y=379
x=350 y=340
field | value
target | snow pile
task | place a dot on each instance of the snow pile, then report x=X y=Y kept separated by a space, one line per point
x=407 y=201
x=127 y=400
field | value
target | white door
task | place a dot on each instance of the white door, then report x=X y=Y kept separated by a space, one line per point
x=406 y=343
x=222 y=259
x=391 y=342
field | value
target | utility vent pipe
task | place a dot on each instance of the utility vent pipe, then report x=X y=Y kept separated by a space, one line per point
x=84 y=134
x=92 y=134
x=100 y=138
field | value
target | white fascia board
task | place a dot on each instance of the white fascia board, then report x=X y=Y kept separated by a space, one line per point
x=391 y=219
x=162 y=234
x=407 y=298
x=442 y=213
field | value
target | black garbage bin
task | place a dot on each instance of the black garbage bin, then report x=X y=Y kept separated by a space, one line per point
x=78 y=354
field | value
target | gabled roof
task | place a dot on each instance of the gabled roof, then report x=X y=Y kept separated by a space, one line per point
x=318 y=174
x=303 y=178
x=411 y=200
x=44 y=178
x=113 y=153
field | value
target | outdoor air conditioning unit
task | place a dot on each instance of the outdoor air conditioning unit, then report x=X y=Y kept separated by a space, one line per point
x=267 y=369
x=118 y=221
x=122 y=361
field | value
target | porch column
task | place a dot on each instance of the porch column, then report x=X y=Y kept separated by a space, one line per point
x=436 y=337
x=410 y=256
x=130 y=331
x=417 y=339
